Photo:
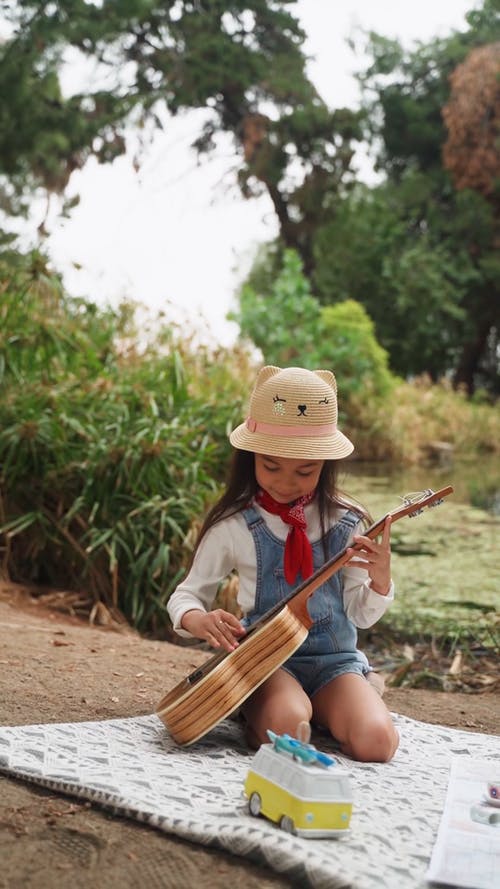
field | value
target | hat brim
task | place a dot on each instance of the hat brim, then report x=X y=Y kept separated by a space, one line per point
x=328 y=447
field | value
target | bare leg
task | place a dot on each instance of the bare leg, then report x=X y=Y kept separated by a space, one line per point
x=279 y=704
x=377 y=682
x=357 y=717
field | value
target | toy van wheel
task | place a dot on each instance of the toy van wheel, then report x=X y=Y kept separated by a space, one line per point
x=255 y=804
x=286 y=824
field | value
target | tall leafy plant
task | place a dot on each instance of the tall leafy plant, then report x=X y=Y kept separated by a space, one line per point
x=109 y=451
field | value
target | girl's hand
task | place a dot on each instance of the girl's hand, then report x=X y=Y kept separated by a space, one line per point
x=217 y=627
x=375 y=558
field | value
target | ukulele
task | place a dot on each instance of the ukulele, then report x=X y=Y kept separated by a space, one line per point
x=223 y=682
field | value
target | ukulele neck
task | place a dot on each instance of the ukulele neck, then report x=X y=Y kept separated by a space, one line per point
x=297 y=599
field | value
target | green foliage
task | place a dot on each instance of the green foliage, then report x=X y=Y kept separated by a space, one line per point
x=387 y=418
x=418 y=255
x=412 y=287
x=290 y=327
x=406 y=89
x=362 y=363
x=108 y=454
x=427 y=272
x=142 y=57
x=43 y=332
x=405 y=93
x=241 y=61
x=45 y=135
x=284 y=325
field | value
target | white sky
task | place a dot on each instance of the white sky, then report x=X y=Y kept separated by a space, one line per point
x=177 y=236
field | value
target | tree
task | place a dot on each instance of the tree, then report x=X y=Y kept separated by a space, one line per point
x=418 y=253
x=471 y=156
x=472 y=119
x=410 y=286
x=453 y=232
x=240 y=60
x=44 y=136
x=316 y=144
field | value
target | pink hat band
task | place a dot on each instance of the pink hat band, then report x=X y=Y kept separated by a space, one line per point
x=300 y=431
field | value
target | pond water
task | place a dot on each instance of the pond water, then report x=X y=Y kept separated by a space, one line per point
x=445 y=564
x=476 y=483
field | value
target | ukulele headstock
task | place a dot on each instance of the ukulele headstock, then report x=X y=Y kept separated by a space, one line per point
x=414 y=504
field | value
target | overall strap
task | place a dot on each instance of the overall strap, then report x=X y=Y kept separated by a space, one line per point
x=350 y=519
x=252 y=516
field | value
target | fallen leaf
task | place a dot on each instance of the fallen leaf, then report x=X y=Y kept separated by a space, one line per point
x=456 y=664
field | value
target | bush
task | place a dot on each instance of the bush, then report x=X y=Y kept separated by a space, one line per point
x=109 y=452
x=290 y=327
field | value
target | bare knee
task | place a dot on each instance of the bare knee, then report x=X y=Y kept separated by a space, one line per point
x=374 y=742
x=279 y=704
x=290 y=715
x=283 y=718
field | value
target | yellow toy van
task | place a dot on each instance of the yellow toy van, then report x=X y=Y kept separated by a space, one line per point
x=303 y=790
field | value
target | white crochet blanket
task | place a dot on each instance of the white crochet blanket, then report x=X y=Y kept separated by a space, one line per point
x=134 y=768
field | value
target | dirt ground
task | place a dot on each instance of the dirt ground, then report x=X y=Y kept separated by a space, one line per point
x=58 y=668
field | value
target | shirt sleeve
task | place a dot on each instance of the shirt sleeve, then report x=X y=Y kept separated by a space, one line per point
x=363 y=605
x=214 y=559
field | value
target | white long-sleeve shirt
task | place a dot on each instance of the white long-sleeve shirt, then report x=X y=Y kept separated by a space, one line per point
x=229 y=545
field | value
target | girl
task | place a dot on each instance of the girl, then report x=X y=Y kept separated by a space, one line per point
x=280 y=518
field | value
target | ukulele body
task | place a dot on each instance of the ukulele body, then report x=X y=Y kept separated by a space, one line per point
x=201 y=700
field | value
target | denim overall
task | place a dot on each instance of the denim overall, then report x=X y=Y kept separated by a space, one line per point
x=330 y=648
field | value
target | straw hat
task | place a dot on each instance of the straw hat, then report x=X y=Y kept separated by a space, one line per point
x=293 y=413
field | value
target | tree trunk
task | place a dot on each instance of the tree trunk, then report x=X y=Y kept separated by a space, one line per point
x=469 y=361
x=290 y=231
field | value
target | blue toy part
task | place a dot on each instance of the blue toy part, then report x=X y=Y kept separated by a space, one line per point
x=299 y=749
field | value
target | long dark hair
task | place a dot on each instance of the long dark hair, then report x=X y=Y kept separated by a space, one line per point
x=241 y=488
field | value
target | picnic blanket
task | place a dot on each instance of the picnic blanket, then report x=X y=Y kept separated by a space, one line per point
x=134 y=768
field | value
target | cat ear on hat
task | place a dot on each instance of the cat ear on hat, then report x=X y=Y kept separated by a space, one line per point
x=328 y=377
x=265 y=373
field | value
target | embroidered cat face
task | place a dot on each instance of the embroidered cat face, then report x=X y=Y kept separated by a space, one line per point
x=294 y=394
x=279 y=406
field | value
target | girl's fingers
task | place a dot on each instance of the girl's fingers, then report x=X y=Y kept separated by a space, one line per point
x=365 y=544
x=229 y=621
x=222 y=630
x=386 y=536
x=218 y=639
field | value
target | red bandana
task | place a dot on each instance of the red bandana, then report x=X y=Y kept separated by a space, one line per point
x=298 y=550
